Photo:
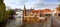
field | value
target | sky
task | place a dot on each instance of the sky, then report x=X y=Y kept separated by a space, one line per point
x=37 y=4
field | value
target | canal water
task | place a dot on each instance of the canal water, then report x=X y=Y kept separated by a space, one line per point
x=17 y=22
x=33 y=24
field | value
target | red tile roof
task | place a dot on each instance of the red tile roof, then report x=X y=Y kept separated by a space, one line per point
x=36 y=11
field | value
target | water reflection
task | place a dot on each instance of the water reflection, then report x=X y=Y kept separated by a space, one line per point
x=17 y=22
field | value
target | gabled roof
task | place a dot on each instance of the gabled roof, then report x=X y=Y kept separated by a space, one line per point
x=36 y=11
x=47 y=10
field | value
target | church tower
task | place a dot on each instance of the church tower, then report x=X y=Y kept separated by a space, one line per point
x=59 y=5
x=24 y=10
x=24 y=13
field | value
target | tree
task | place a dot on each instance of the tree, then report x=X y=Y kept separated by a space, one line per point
x=11 y=13
x=4 y=15
x=2 y=11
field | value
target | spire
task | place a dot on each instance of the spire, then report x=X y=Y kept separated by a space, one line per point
x=24 y=10
x=24 y=7
x=59 y=5
x=32 y=7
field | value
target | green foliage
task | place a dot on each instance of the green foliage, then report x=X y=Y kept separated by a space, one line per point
x=11 y=12
x=2 y=12
x=1 y=1
x=4 y=15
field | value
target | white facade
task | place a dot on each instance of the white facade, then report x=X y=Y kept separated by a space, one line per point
x=18 y=17
x=19 y=14
x=55 y=12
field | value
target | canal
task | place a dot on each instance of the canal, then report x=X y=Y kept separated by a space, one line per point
x=18 y=22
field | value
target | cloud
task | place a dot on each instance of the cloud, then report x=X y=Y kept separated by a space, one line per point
x=34 y=3
x=47 y=3
x=15 y=3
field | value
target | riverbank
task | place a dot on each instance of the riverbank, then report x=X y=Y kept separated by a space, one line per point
x=3 y=24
